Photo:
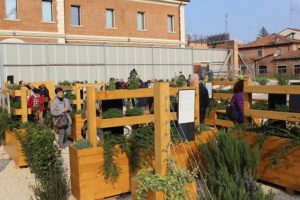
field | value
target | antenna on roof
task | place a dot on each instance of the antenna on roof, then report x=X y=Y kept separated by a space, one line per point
x=226 y=22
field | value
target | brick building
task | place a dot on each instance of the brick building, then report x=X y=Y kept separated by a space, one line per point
x=271 y=55
x=128 y=22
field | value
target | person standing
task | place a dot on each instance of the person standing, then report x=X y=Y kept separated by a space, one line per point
x=238 y=99
x=35 y=103
x=46 y=98
x=61 y=109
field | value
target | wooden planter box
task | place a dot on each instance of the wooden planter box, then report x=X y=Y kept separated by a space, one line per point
x=287 y=172
x=77 y=126
x=87 y=180
x=13 y=148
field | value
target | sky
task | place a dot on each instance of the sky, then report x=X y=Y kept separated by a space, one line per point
x=245 y=17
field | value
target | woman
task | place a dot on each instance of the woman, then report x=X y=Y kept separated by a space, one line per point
x=46 y=98
x=35 y=103
x=238 y=99
x=60 y=109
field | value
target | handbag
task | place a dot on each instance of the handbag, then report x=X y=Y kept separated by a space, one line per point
x=61 y=121
x=232 y=111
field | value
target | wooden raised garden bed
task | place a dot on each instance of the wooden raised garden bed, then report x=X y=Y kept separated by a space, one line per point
x=87 y=180
x=13 y=148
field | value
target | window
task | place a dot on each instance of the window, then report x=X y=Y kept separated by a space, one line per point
x=170 y=23
x=11 y=9
x=281 y=69
x=278 y=51
x=297 y=69
x=263 y=69
x=140 y=21
x=110 y=21
x=47 y=10
x=75 y=14
x=260 y=53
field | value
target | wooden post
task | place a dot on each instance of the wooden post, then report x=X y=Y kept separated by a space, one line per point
x=247 y=99
x=162 y=129
x=91 y=116
x=78 y=99
x=197 y=103
x=24 y=104
x=51 y=89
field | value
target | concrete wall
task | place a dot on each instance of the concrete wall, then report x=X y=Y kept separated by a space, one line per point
x=37 y=62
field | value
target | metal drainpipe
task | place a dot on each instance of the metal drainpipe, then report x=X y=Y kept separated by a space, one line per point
x=179 y=23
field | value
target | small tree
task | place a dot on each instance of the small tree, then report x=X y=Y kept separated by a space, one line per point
x=263 y=32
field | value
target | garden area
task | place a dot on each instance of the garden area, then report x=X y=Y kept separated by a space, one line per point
x=128 y=142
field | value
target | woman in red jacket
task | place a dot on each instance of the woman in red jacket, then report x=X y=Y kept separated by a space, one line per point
x=36 y=104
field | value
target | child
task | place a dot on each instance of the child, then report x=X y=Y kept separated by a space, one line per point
x=35 y=103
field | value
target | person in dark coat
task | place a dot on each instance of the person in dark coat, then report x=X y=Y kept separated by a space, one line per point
x=204 y=101
x=238 y=99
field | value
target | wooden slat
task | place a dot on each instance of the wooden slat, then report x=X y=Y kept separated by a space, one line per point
x=273 y=89
x=218 y=96
x=124 y=121
x=224 y=82
x=67 y=87
x=224 y=123
x=124 y=94
x=285 y=116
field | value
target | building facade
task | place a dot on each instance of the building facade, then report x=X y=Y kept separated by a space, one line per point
x=128 y=22
x=293 y=33
x=271 y=55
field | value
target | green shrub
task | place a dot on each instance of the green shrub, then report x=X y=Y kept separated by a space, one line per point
x=171 y=185
x=82 y=144
x=260 y=105
x=262 y=81
x=41 y=154
x=56 y=188
x=230 y=168
x=6 y=123
x=15 y=104
x=283 y=79
x=14 y=87
x=133 y=83
x=141 y=146
x=65 y=83
x=134 y=112
x=69 y=95
x=110 y=168
x=282 y=108
x=48 y=120
x=201 y=128
x=112 y=113
x=111 y=84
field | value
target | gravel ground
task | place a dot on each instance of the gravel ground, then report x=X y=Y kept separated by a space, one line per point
x=15 y=183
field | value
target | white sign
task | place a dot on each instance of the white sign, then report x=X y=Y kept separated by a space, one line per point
x=186 y=106
x=209 y=88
